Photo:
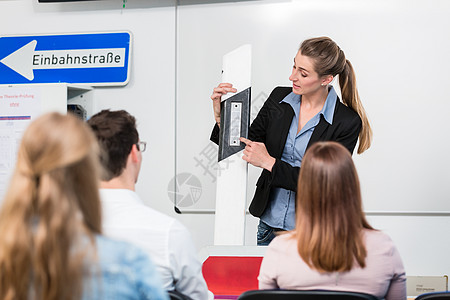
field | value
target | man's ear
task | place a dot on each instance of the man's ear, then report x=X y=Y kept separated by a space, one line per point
x=134 y=154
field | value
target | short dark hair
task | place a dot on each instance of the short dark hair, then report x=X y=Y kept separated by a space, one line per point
x=116 y=133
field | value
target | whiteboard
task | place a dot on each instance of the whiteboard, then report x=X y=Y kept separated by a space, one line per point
x=20 y=105
x=399 y=52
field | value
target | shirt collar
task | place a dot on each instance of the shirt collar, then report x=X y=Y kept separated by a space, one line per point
x=292 y=99
x=327 y=109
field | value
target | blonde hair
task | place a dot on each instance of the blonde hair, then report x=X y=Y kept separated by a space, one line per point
x=330 y=60
x=330 y=219
x=52 y=204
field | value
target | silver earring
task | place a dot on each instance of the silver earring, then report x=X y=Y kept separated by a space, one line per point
x=322 y=84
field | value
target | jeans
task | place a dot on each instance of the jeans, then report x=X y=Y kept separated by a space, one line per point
x=265 y=234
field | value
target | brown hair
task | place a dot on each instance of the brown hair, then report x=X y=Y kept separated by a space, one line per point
x=116 y=132
x=330 y=60
x=51 y=206
x=330 y=218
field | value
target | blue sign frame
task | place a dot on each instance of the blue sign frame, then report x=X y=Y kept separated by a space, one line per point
x=96 y=76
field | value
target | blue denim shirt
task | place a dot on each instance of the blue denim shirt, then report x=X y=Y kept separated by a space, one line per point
x=280 y=213
x=121 y=271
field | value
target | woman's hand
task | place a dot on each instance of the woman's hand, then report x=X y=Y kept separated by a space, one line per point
x=256 y=154
x=216 y=97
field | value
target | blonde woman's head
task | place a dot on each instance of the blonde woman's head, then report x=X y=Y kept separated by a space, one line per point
x=51 y=205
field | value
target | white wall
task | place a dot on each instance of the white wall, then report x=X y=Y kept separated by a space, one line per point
x=150 y=93
x=398 y=49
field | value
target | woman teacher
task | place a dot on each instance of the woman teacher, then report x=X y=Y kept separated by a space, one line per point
x=290 y=121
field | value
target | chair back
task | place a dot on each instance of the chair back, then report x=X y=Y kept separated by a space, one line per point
x=303 y=295
x=434 y=296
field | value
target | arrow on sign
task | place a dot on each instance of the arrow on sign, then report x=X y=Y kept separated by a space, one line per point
x=26 y=59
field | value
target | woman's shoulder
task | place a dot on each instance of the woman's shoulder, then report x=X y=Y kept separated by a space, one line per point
x=283 y=240
x=122 y=271
x=346 y=112
x=279 y=93
x=378 y=241
x=376 y=235
x=116 y=251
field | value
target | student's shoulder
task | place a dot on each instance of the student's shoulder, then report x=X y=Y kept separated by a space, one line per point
x=377 y=236
x=111 y=251
x=152 y=216
x=178 y=229
x=159 y=221
x=283 y=240
x=279 y=93
x=157 y=214
x=379 y=242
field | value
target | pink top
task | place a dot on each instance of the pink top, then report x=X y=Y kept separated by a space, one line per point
x=384 y=274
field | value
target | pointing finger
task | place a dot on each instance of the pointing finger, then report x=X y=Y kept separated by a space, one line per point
x=245 y=141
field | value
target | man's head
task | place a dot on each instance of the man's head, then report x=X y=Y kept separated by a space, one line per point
x=118 y=138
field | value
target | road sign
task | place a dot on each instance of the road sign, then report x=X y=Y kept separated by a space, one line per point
x=90 y=58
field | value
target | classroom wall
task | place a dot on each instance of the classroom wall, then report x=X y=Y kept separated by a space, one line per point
x=397 y=48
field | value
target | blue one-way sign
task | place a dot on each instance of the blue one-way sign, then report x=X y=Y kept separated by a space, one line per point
x=90 y=58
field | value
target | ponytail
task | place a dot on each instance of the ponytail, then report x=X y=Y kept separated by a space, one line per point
x=350 y=97
x=51 y=211
x=15 y=250
x=39 y=226
x=330 y=60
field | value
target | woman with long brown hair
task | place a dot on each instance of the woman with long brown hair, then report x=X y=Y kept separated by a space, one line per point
x=51 y=246
x=333 y=247
x=291 y=120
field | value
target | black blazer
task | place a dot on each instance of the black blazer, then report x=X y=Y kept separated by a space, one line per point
x=271 y=127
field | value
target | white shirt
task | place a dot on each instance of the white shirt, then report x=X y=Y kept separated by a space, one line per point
x=166 y=240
